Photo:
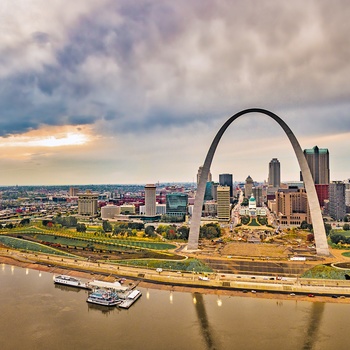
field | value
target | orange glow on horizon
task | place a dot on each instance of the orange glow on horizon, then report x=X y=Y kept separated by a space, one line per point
x=48 y=137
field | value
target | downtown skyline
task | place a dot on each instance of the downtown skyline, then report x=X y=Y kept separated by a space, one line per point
x=119 y=92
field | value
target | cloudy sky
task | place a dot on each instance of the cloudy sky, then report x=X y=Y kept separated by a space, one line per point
x=120 y=91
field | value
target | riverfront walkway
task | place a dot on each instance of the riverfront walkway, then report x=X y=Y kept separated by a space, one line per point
x=215 y=281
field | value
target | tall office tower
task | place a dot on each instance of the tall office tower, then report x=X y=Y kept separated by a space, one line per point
x=73 y=191
x=248 y=187
x=226 y=180
x=337 y=207
x=199 y=175
x=258 y=195
x=274 y=173
x=347 y=192
x=223 y=207
x=292 y=207
x=208 y=194
x=214 y=190
x=87 y=203
x=318 y=160
x=150 y=200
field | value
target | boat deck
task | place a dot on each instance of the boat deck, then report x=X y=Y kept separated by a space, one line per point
x=131 y=299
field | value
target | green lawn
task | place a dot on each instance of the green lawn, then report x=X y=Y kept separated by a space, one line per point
x=326 y=272
x=82 y=240
x=188 y=265
x=25 y=245
x=253 y=222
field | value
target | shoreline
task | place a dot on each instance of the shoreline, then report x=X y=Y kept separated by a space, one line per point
x=272 y=295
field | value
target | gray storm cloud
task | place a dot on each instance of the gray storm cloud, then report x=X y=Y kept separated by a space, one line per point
x=127 y=65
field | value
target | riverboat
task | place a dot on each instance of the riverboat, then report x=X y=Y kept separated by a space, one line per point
x=103 y=297
x=70 y=281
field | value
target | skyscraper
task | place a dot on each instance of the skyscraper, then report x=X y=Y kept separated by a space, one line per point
x=337 y=207
x=248 y=187
x=87 y=203
x=226 y=180
x=223 y=201
x=274 y=173
x=150 y=200
x=292 y=206
x=318 y=160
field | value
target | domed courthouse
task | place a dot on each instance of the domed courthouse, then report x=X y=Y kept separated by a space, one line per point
x=252 y=209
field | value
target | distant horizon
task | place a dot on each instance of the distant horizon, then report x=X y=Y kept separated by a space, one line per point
x=144 y=183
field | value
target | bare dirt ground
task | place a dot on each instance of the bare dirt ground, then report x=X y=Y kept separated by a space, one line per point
x=255 y=250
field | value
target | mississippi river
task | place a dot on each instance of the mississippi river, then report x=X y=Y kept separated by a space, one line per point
x=36 y=314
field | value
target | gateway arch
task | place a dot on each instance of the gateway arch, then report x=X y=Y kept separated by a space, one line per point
x=315 y=212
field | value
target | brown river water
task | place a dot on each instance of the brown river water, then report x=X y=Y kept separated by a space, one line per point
x=36 y=314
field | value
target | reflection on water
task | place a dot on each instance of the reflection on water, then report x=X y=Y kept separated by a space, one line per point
x=106 y=310
x=204 y=322
x=68 y=288
x=44 y=316
x=316 y=314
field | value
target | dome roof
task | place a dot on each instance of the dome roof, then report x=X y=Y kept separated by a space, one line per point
x=249 y=179
x=252 y=199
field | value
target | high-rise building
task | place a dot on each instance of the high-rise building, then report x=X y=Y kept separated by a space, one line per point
x=223 y=200
x=292 y=206
x=150 y=200
x=248 y=187
x=73 y=191
x=208 y=194
x=258 y=195
x=318 y=160
x=322 y=193
x=199 y=175
x=336 y=206
x=87 y=203
x=274 y=173
x=226 y=180
x=176 y=204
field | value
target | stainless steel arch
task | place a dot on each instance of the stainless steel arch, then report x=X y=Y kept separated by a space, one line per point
x=315 y=212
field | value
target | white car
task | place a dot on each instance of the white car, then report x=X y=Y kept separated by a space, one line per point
x=203 y=278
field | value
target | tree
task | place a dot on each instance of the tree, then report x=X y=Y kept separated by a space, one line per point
x=150 y=231
x=183 y=232
x=171 y=233
x=305 y=226
x=328 y=228
x=106 y=225
x=337 y=237
x=262 y=220
x=310 y=237
x=346 y=227
x=25 y=221
x=118 y=230
x=67 y=221
x=210 y=231
x=245 y=202
x=245 y=220
x=81 y=227
x=136 y=225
